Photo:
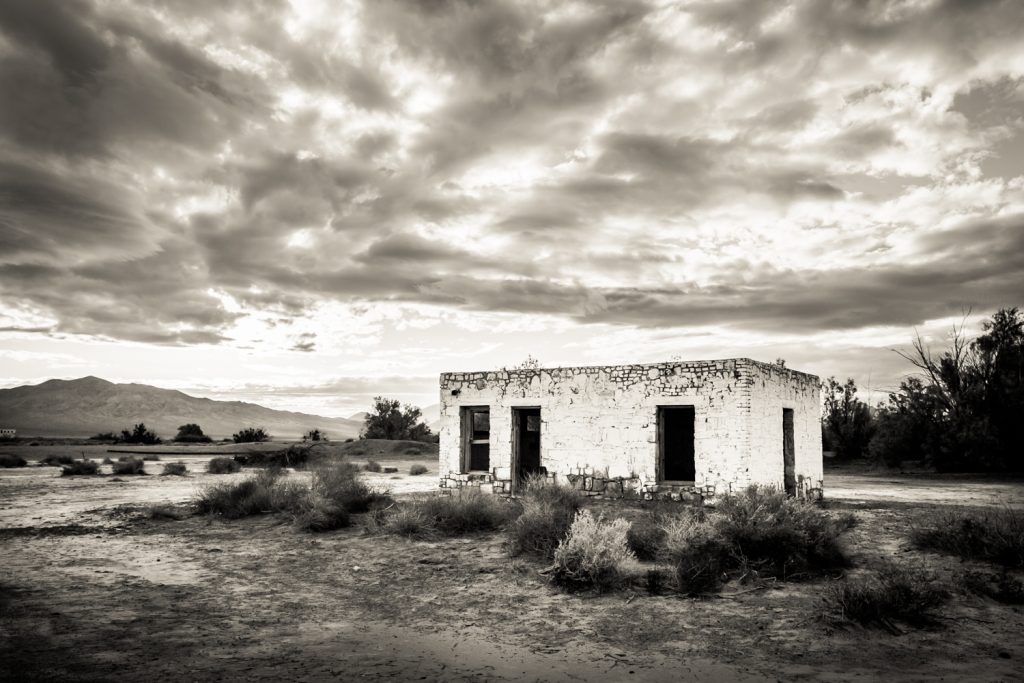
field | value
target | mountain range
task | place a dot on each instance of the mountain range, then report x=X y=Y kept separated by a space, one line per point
x=90 y=405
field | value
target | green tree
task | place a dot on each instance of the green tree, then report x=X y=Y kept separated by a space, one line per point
x=139 y=434
x=390 y=420
x=847 y=422
x=191 y=433
x=251 y=435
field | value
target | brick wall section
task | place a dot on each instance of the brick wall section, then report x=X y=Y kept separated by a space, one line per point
x=599 y=425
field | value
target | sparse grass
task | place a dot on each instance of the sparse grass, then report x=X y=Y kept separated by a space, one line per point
x=995 y=535
x=894 y=593
x=175 y=468
x=548 y=512
x=372 y=466
x=167 y=512
x=12 y=460
x=594 y=554
x=418 y=469
x=80 y=467
x=129 y=466
x=57 y=460
x=1001 y=587
x=223 y=465
x=413 y=451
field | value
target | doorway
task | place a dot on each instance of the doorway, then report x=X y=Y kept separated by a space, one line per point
x=788 y=452
x=525 y=444
x=675 y=443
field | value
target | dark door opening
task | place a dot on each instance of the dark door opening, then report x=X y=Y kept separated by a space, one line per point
x=526 y=442
x=675 y=443
x=788 y=452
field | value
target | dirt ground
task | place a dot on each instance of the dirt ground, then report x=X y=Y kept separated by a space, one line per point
x=90 y=589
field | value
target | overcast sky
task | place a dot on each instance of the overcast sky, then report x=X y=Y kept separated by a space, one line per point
x=307 y=203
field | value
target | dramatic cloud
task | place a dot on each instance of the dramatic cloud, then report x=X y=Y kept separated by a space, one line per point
x=314 y=180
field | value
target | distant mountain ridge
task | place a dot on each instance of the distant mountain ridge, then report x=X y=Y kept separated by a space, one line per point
x=90 y=405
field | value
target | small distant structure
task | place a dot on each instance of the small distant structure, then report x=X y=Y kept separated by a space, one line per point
x=681 y=430
x=7 y=433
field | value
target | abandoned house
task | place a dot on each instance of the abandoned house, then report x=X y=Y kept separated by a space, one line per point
x=684 y=430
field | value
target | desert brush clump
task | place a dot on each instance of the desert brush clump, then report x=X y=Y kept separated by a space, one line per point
x=372 y=466
x=593 y=554
x=646 y=537
x=464 y=512
x=893 y=593
x=80 y=467
x=339 y=483
x=548 y=512
x=995 y=535
x=12 y=460
x=57 y=460
x=771 y=534
x=223 y=465
x=128 y=466
x=256 y=495
x=418 y=469
x=296 y=455
x=697 y=552
x=175 y=468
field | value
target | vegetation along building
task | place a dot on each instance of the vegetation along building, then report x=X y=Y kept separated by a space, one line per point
x=684 y=430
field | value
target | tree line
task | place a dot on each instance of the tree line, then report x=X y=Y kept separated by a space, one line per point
x=961 y=411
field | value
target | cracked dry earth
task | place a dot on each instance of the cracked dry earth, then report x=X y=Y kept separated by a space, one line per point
x=105 y=594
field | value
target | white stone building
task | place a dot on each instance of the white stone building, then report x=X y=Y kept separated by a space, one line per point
x=685 y=430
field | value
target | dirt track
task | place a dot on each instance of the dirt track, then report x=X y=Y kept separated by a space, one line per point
x=89 y=591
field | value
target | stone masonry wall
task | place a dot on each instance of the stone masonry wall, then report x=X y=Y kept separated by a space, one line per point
x=599 y=425
x=772 y=389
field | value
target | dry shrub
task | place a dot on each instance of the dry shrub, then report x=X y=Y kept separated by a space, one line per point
x=594 y=553
x=223 y=465
x=128 y=466
x=893 y=593
x=339 y=484
x=57 y=460
x=770 y=534
x=548 y=512
x=699 y=555
x=995 y=535
x=372 y=466
x=151 y=457
x=417 y=470
x=408 y=521
x=254 y=496
x=175 y=468
x=646 y=537
x=80 y=467
x=12 y=460
x=465 y=512
x=319 y=515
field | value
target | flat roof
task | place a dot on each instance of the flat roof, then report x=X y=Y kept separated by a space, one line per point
x=663 y=364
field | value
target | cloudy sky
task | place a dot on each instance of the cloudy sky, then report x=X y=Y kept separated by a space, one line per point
x=305 y=203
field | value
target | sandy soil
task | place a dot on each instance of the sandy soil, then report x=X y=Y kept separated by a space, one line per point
x=91 y=590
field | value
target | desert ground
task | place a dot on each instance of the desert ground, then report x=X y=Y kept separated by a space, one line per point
x=92 y=588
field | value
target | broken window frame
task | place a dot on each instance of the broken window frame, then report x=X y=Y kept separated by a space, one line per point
x=467 y=418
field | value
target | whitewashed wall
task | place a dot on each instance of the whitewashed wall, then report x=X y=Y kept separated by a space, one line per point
x=599 y=425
